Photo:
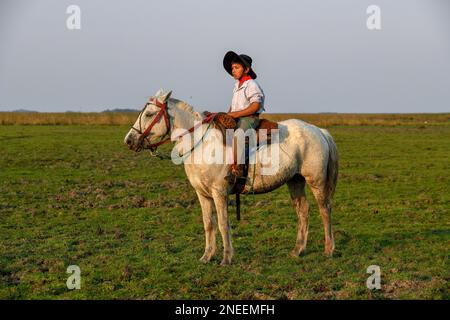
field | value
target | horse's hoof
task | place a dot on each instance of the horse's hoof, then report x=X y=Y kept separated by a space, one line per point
x=225 y=262
x=329 y=248
x=297 y=253
x=334 y=254
x=205 y=259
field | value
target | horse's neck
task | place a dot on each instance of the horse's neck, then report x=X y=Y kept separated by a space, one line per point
x=184 y=117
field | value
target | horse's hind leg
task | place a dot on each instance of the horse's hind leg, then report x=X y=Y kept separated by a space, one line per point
x=209 y=225
x=297 y=190
x=324 y=202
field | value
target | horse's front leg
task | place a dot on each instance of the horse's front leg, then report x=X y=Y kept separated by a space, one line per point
x=209 y=225
x=220 y=200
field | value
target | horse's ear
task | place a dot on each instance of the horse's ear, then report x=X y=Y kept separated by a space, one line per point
x=165 y=96
x=159 y=92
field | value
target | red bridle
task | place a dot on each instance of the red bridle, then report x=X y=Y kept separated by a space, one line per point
x=163 y=112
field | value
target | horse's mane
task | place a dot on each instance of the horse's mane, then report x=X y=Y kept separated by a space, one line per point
x=185 y=106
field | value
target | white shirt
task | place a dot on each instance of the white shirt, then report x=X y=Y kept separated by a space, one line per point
x=249 y=92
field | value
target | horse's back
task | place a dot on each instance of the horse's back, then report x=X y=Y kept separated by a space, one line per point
x=310 y=144
x=305 y=133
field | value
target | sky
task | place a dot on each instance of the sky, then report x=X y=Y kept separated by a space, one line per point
x=310 y=55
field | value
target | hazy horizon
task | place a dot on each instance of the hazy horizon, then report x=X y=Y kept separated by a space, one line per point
x=137 y=110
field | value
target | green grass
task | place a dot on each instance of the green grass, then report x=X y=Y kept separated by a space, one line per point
x=132 y=223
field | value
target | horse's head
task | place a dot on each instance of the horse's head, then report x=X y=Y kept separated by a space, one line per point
x=152 y=124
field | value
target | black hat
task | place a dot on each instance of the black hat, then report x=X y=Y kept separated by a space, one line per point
x=246 y=61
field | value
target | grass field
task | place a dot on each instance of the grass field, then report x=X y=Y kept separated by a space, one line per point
x=73 y=194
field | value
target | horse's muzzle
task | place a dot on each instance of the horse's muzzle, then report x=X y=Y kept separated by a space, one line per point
x=130 y=142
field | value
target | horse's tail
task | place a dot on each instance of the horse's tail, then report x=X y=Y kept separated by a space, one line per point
x=333 y=164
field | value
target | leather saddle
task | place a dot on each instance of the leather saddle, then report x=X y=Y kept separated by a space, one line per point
x=223 y=122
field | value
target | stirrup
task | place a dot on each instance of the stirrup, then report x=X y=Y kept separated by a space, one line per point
x=241 y=181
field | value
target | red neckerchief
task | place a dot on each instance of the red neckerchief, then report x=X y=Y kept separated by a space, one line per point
x=243 y=79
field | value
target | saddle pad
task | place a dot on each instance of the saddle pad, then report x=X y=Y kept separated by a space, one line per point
x=225 y=120
x=267 y=124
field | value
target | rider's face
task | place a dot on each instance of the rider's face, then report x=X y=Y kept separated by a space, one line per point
x=238 y=70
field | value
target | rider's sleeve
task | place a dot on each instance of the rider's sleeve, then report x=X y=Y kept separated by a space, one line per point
x=254 y=93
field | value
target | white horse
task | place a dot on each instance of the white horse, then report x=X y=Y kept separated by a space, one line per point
x=308 y=156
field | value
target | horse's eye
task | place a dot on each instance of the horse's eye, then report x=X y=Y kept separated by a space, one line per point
x=149 y=114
